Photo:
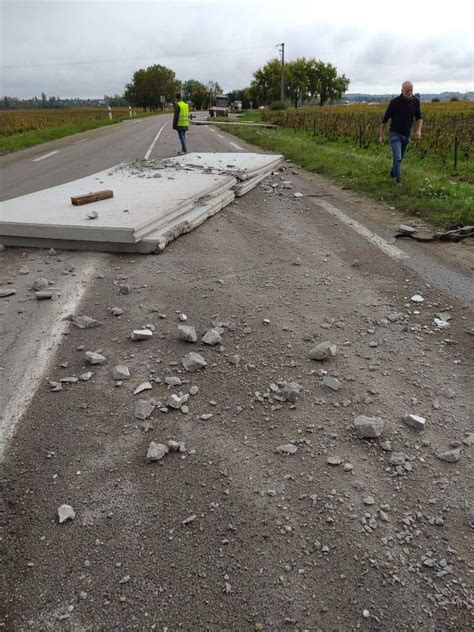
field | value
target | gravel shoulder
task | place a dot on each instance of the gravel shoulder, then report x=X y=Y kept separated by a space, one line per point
x=232 y=534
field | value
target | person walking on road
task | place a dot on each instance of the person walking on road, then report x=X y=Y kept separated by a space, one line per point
x=181 y=122
x=401 y=111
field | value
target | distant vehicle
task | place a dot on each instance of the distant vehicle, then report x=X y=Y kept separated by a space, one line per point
x=220 y=106
x=236 y=106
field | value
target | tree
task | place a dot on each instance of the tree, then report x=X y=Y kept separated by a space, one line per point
x=265 y=86
x=325 y=82
x=297 y=80
x=149 y=84
x=200 y=97
x=188 y=87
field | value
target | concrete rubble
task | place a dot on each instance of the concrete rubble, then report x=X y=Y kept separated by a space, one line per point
x=154 y=202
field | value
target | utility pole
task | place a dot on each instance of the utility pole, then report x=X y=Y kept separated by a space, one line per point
x=282 y=79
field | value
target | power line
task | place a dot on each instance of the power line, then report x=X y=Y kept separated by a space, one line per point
x=107 y=61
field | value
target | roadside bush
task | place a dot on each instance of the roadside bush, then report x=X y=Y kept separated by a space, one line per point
x=278 y=105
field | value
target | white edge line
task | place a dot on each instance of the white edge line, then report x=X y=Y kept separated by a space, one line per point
x=388 y=249
x=220 y=136
x=51 y=153
x=33 y=375
x=235 y=145
x=150 y=148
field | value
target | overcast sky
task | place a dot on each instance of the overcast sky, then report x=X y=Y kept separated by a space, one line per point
x=376 y=44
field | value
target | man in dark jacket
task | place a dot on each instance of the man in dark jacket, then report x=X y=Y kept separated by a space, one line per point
x=402 y=111
x=181 y=121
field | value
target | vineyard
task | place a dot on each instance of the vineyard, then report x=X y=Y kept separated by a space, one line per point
x=20 y=121
x=448 y=128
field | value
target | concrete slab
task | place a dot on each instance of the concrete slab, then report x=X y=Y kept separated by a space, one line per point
x=143 y=200
x=155 y=242
x=242 y=165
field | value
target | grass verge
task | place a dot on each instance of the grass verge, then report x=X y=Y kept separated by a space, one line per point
x=15 y=142
x=429 y=188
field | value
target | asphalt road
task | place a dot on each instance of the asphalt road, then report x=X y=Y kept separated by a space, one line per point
x=230 y=534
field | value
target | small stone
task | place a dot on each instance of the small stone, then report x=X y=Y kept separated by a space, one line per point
x=176 y=446
x=92 y=214
x=173 y=380
x=45 y=295
x=85 y=377
x=183 y=318
x=65 y=512
x=450 y=456
x=4 y=292
x=234 y=359
x=194 y=390
x=334 y=460
x=85 y=322
x=143 y=409
x=141 y=334
x=290 y=391
x=211 y=337
x=116 y=311
x=187 y=333
x=348 y=467
x=94 y=358
x=40 y=284
x=144 y=386
x=417 y=298
x=287 y=448
x=368 y=500
x=156 y=451
x=120 y=372
x=323 y=351
x=369 y=427
x=193 y=362
x=176 y=401
x=24 y=270
x=331 y=382
x=469 y=440
x=414 y=421
x=190 y=519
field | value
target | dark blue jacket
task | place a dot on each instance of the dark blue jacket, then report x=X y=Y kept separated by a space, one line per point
x=402 y=112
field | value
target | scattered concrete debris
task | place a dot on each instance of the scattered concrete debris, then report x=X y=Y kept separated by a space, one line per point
x=85 y=322
x=417 y=298
x=334 y=460
x=286 y=449
x=40 y=284
x=143 y=409
x=414 y=421
x=323 y=351
x=4 y=292
x=50 y=294
x=290 y=391
x=450 y=456
x=187 y=333
x=176 y=401
x=116 y=311
x=156 y=451
x=173 y=380
x=144 y=386
x=193 y=362
x=120 y=372
x=141 y=334
x=211 y=337
x=369 y=427
x=65 y=512
x=94 y=358
x=332 y=382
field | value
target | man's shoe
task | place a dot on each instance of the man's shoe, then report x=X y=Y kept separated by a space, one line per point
x=398 y=180
x=391 y=173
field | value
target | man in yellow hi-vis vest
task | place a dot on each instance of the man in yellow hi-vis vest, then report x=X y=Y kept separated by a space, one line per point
x=181 y=121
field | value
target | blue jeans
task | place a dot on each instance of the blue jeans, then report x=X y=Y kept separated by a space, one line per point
x=182 y=138
x=399 y=144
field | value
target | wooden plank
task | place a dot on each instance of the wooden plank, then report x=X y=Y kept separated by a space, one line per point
x=78 y=200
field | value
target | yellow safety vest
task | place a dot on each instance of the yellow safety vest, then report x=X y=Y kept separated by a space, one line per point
x=183 y=117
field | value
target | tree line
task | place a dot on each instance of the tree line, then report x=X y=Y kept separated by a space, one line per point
x=305 y=81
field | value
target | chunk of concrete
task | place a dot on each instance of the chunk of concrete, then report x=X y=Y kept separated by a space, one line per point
x=323 y=351
x=291 y=391
x=142 y=334
x=94 y=358
x=156 y=451
x=120 y=372
x=414 y=421
x=187 y=333
x=193 y=362
x=143 y=409
x=369 y=427
x=211 y=337
x=65 y=512
x=450 y=456
x=286 y=449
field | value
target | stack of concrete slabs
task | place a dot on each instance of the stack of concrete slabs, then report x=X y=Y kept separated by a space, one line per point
x=242 y=165
x=144 y=199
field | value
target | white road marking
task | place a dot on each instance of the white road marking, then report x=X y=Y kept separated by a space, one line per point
x=51 y=153
x=83 y=140
x=150 y=148
x=235 y=145
x=220 y=136
x=388 y=249
x=43 y=353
